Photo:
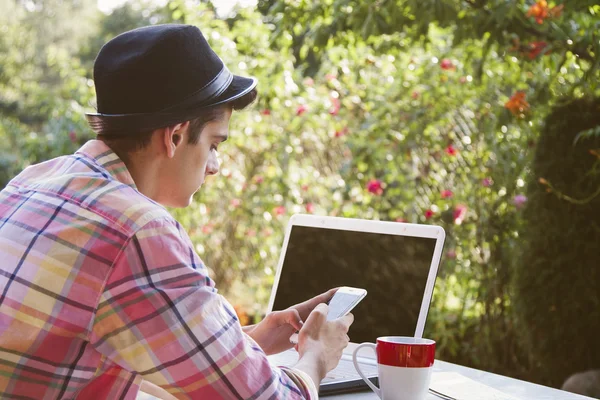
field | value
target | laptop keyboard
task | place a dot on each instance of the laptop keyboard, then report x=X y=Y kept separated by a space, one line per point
x=344 y=371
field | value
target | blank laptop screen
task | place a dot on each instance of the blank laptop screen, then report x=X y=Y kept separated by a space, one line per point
x=392 y=268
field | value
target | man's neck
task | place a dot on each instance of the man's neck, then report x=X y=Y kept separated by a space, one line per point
x=144 y=169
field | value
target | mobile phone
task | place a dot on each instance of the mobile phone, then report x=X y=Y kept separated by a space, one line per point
x=342 y=302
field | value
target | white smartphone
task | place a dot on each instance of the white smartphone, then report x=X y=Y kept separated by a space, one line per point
x=342 y=302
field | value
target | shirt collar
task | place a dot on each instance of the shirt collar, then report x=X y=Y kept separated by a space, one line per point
x=102 y=155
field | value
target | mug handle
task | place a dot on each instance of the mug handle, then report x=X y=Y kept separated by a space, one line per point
x=354 y=355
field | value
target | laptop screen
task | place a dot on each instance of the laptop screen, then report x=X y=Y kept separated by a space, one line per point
x=392 y=268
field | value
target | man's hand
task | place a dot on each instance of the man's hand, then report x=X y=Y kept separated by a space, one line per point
x=321 y=343
x=273 y=333
x=305 y=308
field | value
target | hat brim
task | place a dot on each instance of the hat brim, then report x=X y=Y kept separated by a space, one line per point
x=119 y=124
x=239 y=87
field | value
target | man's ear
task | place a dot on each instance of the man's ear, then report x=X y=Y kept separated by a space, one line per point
x=174 y=136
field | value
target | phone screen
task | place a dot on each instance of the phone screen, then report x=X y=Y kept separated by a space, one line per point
x=341 y=303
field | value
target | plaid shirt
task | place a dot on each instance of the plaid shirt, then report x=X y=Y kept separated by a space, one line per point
x=101 y=288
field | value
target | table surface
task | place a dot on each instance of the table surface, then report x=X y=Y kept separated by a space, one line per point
x=520 y=389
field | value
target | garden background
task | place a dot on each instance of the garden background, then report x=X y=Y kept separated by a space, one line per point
x=482 y=116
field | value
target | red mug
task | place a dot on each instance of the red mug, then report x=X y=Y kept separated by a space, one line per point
x=404 y=367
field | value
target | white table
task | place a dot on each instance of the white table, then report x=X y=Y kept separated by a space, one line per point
x=520 y=389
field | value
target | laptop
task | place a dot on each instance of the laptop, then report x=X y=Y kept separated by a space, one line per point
x=395 y=262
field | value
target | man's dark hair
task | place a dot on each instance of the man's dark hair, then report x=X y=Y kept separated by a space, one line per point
x=125 y=145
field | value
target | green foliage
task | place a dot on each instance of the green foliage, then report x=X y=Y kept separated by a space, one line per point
x=315 y=26
x=557 y=281
x=42 y=86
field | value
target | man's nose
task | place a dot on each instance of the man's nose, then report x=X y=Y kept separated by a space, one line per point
x=212 y=167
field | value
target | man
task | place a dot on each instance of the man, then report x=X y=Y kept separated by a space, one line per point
x=100 y=286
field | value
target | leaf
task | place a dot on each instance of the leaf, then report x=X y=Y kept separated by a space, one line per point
x=587 y=134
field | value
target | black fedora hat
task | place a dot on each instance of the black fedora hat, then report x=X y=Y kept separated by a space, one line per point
x=157 y=76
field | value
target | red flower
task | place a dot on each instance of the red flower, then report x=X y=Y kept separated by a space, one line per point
x=301 y=110
x=279 y=210
x=451 y=151
x=517 y=103
x=415 y=95
x=429 y=213
x=266 y=111
x=446 y=64
x=540 y=11
x=460 y=212
x=375 y=186
x=73 y=137
x=535 y=49
x=486 y=182
x=335 y=106
x=451 y=254
x=446 y=194
x=310 y=208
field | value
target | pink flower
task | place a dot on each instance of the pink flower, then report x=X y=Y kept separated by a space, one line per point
x=301 y=110
x=207 y=228
x=335 y=106
x=375 y=186
x=446 y=194
x=330 y=77
x=279 y=210
x=73 y=137
x=462 y=79
x=400 y=220
x=451 y=254
x=309 y=82
x=429 y=213
x=266 y=111
x=259 y=179
x=446 y=64
x=460 y=212
x=451 y=151
x=487 y=182
x=519 y=201
x=310 y=208
x=235 y=203
x=415 y=95
x=267 y=232
x=251 y=232
x=342 y=132
x=305 y=187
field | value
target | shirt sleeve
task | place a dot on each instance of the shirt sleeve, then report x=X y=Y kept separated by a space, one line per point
x=160 y=316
